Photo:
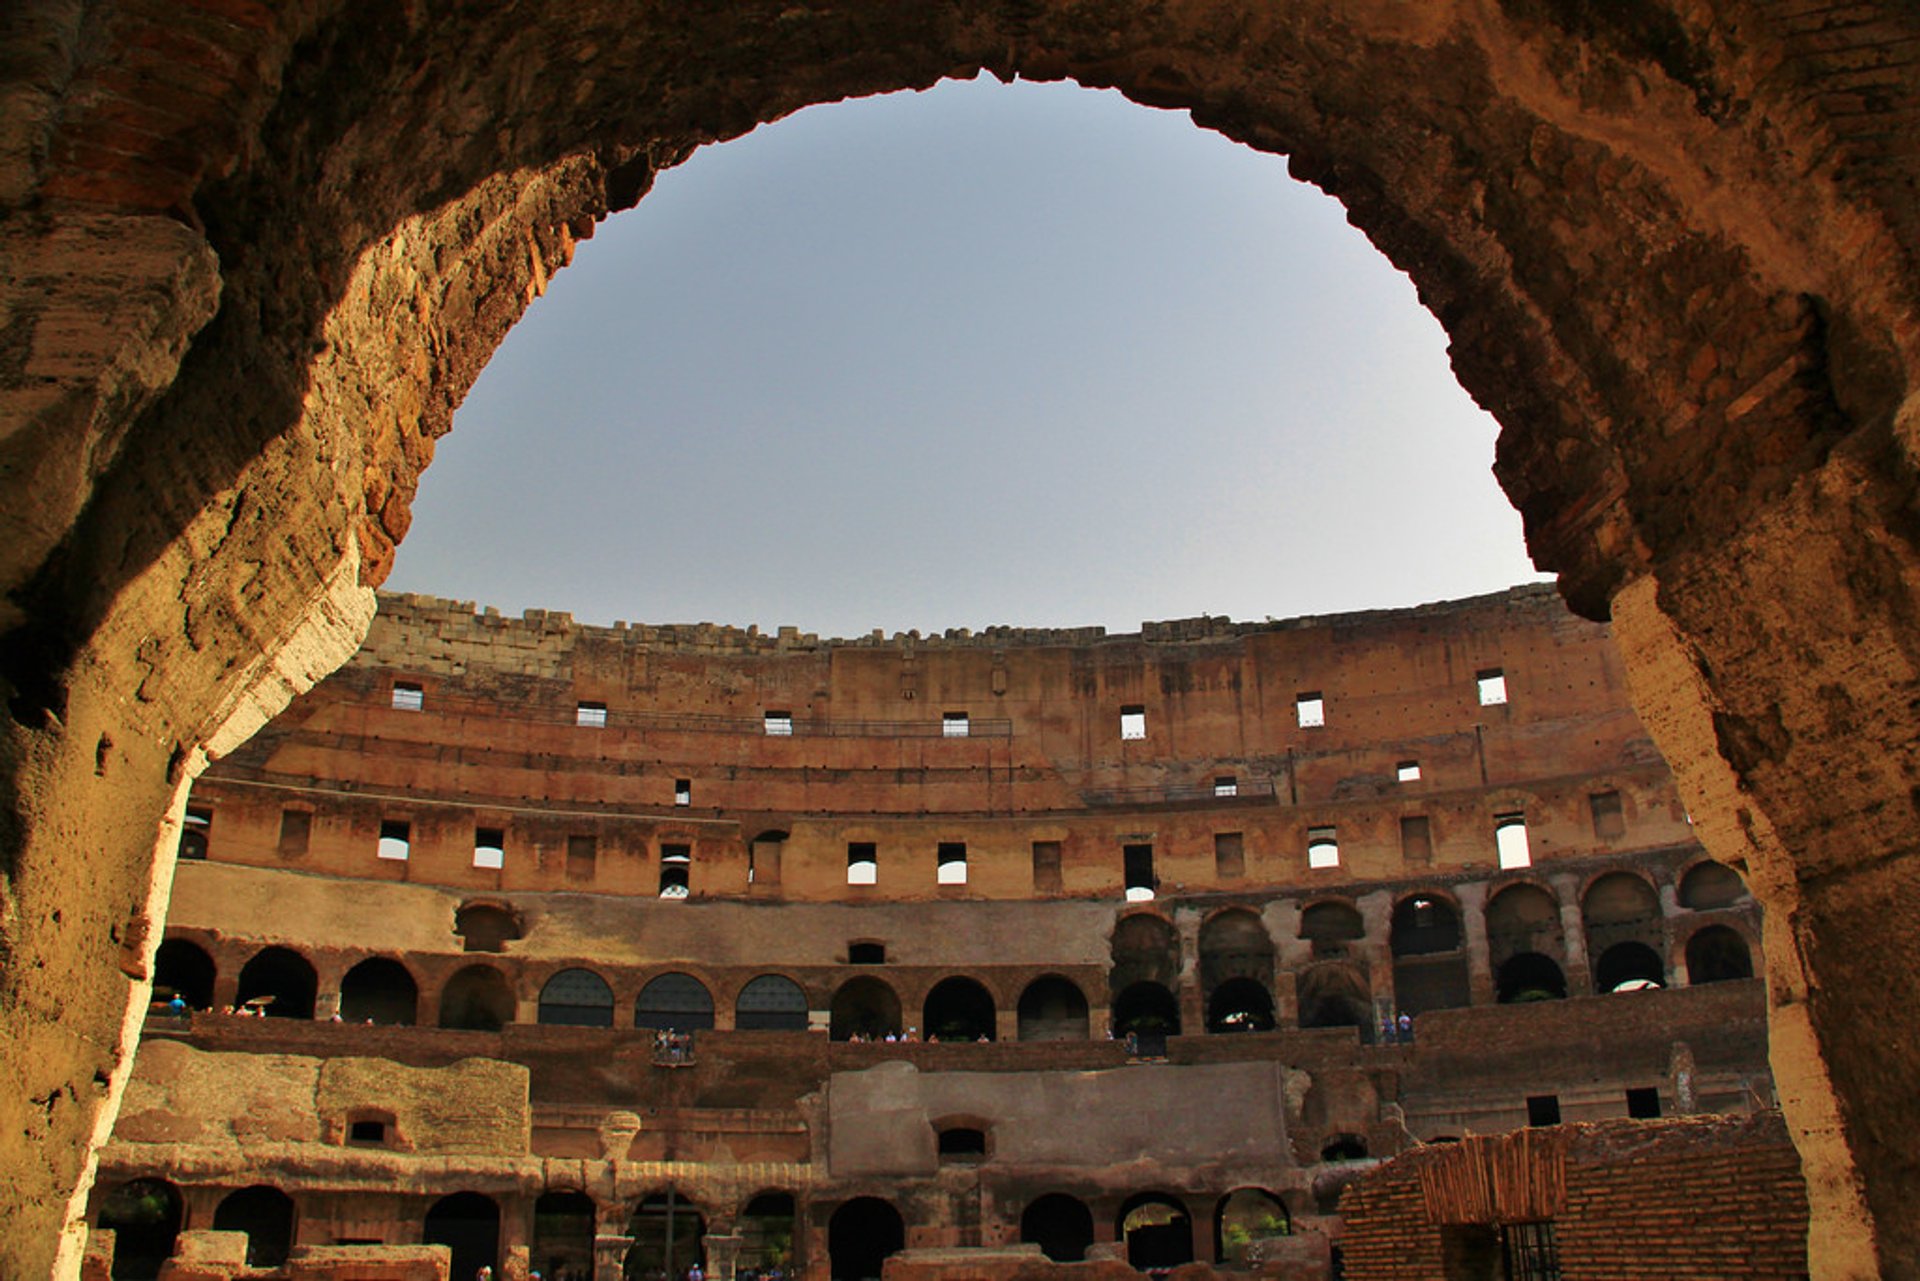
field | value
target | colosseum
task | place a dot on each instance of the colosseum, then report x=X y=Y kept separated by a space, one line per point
x=610 y=952
x=252 y=256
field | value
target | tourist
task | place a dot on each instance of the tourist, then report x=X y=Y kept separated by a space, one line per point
x=1406 y=1028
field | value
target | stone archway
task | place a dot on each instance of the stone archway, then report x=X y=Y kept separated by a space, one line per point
x=1675 y=260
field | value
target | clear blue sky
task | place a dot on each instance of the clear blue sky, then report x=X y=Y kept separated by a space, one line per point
x=988 y=354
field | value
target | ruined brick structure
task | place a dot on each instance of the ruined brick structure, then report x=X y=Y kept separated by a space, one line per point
x=251 y=256
x=474 y=873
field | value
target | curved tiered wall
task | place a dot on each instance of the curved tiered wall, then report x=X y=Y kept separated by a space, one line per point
x=982 y=930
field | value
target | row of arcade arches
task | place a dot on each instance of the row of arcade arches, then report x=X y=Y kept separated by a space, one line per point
x=666 y=1230
x=1623 y=935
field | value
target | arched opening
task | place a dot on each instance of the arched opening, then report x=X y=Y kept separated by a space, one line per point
x=1157 y=1230
x=1709 y=886
x=1628 y=967
x=183 y=969
x=144 y=1216
x=1429 y=967
x=1718 y=954
x=1529 y=976
x=766 y=1234
x=958 y=1009
x=1467 y=291
x=563 y=1231
x=1333 y=927
x=1146 y=1014
x=1062 y=1226
x=576 y=998
x=379 y=990
x=279 y=982
x=1240 y=1005
x=1052 y=1008
x=1620 y=907
x=266 y=1215
x=1145 y=950
x=1335 y=995
x=865 y=1007
x=1524 y=919
x=1344 y=1147
x=485 y=927
x=1236 y=972
x=861 y=1235
x=667 y=1231
x=1244 y=1220
x=468 y=1224
x=477 y=999
x=771 y=1003
x=674 y=1003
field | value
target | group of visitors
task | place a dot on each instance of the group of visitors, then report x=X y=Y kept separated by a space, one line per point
x=672 y=1046
x=1396 y=1031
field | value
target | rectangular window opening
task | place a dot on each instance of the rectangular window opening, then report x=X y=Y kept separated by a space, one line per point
x=1644 y=1103
x=1492 y=684
x=296 y=831
x=1510 y=839
x=1310 y=709
x=954 y=725
x=863 y=863
x=1226 y=785
x=683 y=791
x=1046 y=867
x=778 y=724
x=367 y=1132
x=1543 y=1109
x=408 y=696
x=950 y=863
x=1229 y=855
x=676 y=865
x=1133 y=722
x=396 y=840
x=583 y=854
x=1609 y=815
x=1137 y=863
x=591 y=715
x=868 y=953
x=1407 y=771
x=489 y=847
x=1323 y=847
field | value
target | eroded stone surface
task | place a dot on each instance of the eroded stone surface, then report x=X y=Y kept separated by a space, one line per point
x=1673 y=247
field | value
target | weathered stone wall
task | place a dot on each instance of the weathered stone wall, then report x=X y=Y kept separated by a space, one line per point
x=1673 y=245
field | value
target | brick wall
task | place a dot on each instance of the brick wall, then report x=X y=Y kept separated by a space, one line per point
x=1693 y=1197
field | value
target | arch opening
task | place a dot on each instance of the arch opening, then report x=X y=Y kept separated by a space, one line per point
x=1052 y=1008
x=674 y=1003
x=1157 y=1230
x=1718 y=954
x=477 y=999
x=183 y=969
x=468 y=1224
x=379 y=990
x=668 y=1232
x=767 y=1236
x=576 y=998
x=1240 y=1005
x=771 y=1003
x=1243 y=1222
x=864 y=1007
x=144 y=1215
x=563 y=1232
x=1061 y=1225
x=958 y=1009
x=1529 y=976
x=862 y=1234
x=267 y=1216
x=280 y=983
x=1629 y=967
